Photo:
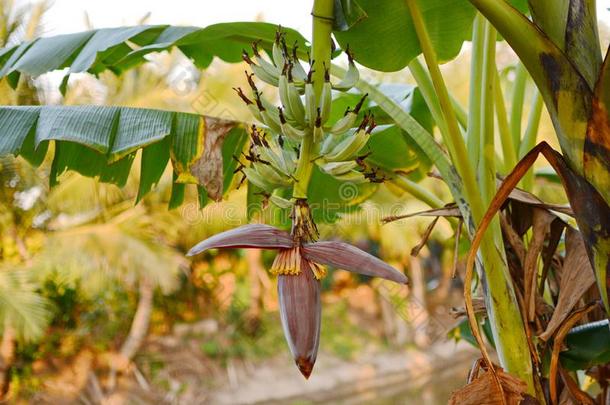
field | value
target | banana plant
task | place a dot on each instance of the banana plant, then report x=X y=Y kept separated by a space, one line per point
x=305 y=145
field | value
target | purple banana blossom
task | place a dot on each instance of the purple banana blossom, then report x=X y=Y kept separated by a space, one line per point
x=299 y=267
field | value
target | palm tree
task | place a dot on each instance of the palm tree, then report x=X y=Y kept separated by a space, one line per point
x=113 y=245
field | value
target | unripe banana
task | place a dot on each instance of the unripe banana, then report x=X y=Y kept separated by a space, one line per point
x=263 y=75
x=329 y=143
x=348 y=120
x=283 y=92
x=280 y=202
x=349 y=146
x=296 y=104
x=352 y=176
x=291 y=132
x=273 y=175
x=310 y=104
x=338 y=168
x=318 y=132
x=276 y=160
x=259 y=181
x=251 y=106
x=351 y=76
x=267 y=66
x=298 y=71
x=326 y=99
x=277 y=52
x=272 y=120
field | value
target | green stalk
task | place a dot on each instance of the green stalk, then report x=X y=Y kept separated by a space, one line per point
x=508 y=147
x=427 y=91
x=487 y=167
x=474 y=98
x=323 y=15
x=529 y=138
x=454 y=141
x=417 y=191
x=502 y=307
x=516 y=108
x=460 y=113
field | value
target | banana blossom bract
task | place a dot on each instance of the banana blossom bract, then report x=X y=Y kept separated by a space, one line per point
x=299 y=267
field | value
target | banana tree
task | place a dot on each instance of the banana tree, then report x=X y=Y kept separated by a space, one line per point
x=103 y=141
x=299 y=152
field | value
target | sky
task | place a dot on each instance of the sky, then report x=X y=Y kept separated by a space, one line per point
x=67 y=16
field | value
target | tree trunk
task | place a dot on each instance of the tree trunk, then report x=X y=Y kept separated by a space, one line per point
x=7 y=359
x=419 y=309
x=137 y=332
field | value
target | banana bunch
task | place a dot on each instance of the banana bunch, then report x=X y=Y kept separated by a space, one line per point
x=275 y=144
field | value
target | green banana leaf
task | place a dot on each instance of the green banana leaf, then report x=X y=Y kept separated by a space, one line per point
x=587 y=345
x=119 y=49
x=102 y=142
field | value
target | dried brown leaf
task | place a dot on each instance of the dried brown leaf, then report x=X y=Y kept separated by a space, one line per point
x=558 y=342
x=447 y=211
x=424 y=239
x=456 y=247
x=208 y=169
x=576 y=278
x=572 y=391
x=530 y=199
x=541 y=223
x=548 y=252
x=482 y=390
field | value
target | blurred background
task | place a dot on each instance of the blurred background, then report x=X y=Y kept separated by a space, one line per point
x=95 y=290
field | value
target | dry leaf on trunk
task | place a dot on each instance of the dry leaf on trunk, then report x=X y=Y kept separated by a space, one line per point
x=541 y=223
x=483 y=391
x=576 y=278
x=208 y=169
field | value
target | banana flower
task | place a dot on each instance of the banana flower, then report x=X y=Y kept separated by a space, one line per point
x=299 y=267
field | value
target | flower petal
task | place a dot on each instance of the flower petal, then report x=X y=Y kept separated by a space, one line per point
x=247 y=236
x=300 y=311
x=350 y=258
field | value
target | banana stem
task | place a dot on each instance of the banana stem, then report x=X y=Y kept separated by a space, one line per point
x=322 y=16
x=455 y=141
x=503 y=311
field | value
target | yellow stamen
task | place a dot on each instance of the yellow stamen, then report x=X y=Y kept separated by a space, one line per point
x=318 y=270
x=288 y=263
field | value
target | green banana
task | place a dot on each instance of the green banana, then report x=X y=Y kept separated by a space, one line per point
x=254 y=110
x=310 y=103
x=263 y=75
x=277 y=160
x=271 y=119
x=259 y=181
x=283 y=92
x=280 y=202
x=296 y=104
x=318 y=132
x=272 y=174
x=267 y=66
x=338 y=168
x=348 y=120
x=277 y=51
x=351 y=145
x=351 y=76
x=291 y=132
x=326 y=99
x=352 y=176
x=329 y=143
x=298 y=71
